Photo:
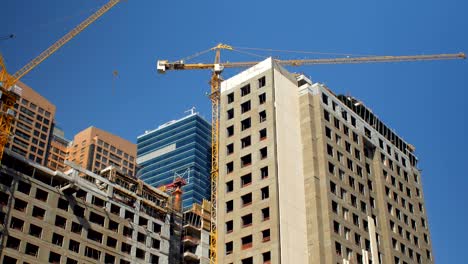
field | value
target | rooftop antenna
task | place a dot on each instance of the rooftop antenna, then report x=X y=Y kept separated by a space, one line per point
x=191 y=110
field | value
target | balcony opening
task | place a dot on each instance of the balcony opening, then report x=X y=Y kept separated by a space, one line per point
x=266 y=214
x=230 y=131
x=113 y=226
x=264 y=172
x=20 y=205
x=57 y=239
x=266 y=257
x=230 y=98
x=263 y=153
x=154 y=258
x=230 y=114
x=155 y=243
x=4 y=198
x=262 y=116
x=35 y=231
x=54 y=257
x=60 y=222
x=229 y=248
x=229 y=167
x=16 y=224
x=127 y=248
x=262 y=98
x=141 y=237
x=245 y=142
x=229 y=186
x=246 y=160
x=109 y=259
x=80 y=194
x=129 y=215
x=94 y=235
x=245 y=90
x=229 y=206
x=115 y=209
x=246 y=220
x=263 y=134
x=38 y=212
x=92 y=253
x=266 y=235
x=13 y=243
x=265 y=193
x=230 y=149
x=62 y=204
x=246 y=199
x=78 y=211
x=99 y=202
x=261 y=82
x=245 y=107
x=111 y=242
x=24 y=187
x=127 y=231
x=31 y=250
x=96 y=218
x=246 y=242
x=246 y=180
x=156 y=228
x=140 y=253
x=143 y=222
x=76 y=228
x=338 y=248
x=229 y=226
x=74 y=246
x=246 y=124
x=41 y=195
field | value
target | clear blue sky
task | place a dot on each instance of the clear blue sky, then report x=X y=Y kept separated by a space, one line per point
x=425 y=102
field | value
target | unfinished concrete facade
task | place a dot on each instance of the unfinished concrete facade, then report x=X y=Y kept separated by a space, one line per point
x=364 y=194
x=310 y=177
x=196 y=234
x=53 y=217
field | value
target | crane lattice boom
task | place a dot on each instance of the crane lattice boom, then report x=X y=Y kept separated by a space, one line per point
x=7 y=81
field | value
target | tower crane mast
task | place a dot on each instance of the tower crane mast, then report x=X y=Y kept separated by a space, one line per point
x=9 y=94
x=217 y=67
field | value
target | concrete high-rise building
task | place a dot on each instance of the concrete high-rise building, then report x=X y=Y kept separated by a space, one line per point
x=178 y=148
x=306 y=176
x=58 y=150
x=53 y=217
x=95 y=149
x=32 y=128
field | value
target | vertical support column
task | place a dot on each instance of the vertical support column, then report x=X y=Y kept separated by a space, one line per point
x=215 y=83
x=373 y=240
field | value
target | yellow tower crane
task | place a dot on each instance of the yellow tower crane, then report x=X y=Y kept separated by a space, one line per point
x=217 y=67
x=8 y=91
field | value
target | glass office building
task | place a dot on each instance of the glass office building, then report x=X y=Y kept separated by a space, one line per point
x=178 y=148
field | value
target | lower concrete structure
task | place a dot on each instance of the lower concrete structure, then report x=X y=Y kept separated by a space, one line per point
x=53 y=217
x=196 y=234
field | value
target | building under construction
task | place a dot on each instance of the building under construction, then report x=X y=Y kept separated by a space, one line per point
x=196 y=234
x=306 y=176
x=81 y=217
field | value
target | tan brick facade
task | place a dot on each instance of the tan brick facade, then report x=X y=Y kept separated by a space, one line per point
x=95 y=149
